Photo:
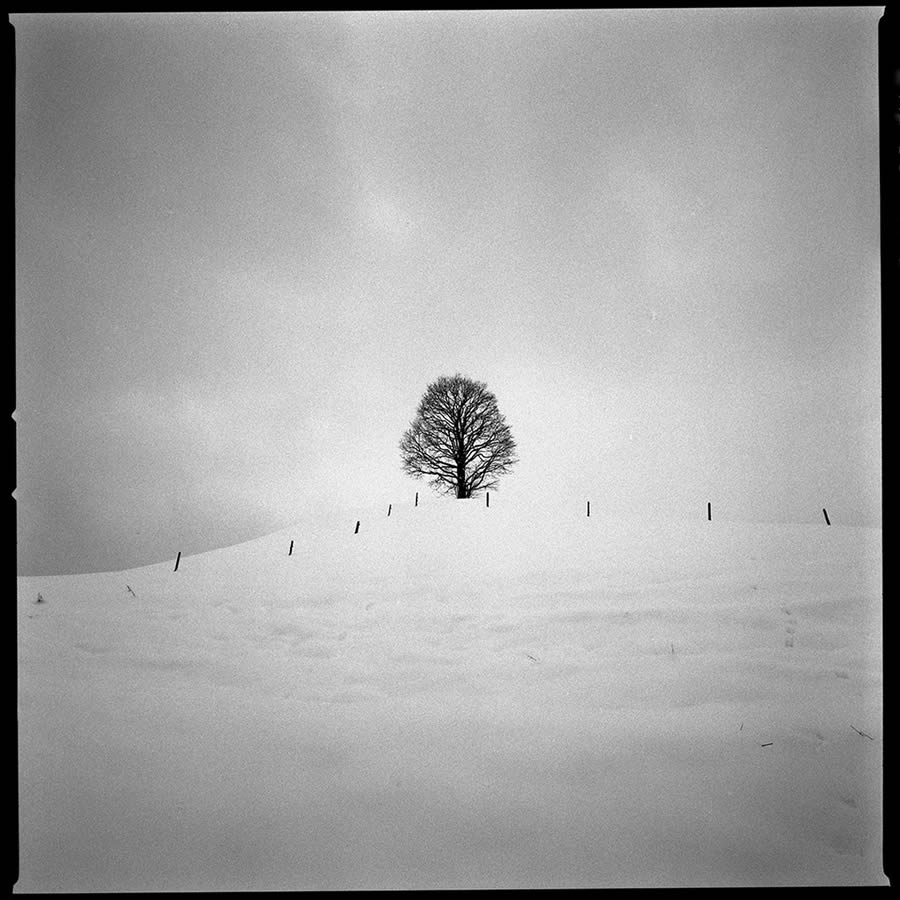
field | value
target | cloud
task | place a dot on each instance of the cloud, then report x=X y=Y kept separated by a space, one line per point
x=386 y=218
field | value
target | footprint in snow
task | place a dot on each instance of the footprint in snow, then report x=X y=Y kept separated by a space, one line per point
x=789 y=627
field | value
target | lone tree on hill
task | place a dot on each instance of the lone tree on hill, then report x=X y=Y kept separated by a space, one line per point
x=458 y=438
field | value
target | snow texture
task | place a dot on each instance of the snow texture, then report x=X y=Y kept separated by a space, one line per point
x=460 y=697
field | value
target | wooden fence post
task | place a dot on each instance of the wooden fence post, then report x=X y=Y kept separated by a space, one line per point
x=589 y=509
x=356 y=530
x=178 y=560
x=709 y=512
x=292 y=549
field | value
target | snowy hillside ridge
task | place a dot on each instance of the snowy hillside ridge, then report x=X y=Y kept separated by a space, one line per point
x=460 y=696
x=417 y=520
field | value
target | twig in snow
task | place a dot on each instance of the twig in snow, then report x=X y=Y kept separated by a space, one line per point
x=130 y=591
x=767 y=745
x=869 y=736
x=532 y=657
x=742 y=727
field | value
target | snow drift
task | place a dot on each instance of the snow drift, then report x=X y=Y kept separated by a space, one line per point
x=460 y=697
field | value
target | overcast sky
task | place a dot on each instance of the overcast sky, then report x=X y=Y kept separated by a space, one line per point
x=246 y=244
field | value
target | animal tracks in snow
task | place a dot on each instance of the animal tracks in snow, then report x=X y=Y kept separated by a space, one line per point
x=789 y=628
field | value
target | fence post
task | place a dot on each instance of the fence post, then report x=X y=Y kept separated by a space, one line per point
x=827 y=520
x=389 y=508
x=709 y=512
x=356 y=530
x=292 y=549
x=589 y=508
x=178 y=560
x=487 y=498
x=417 y=498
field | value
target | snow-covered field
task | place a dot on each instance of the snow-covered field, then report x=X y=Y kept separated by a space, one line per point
x=460 y=697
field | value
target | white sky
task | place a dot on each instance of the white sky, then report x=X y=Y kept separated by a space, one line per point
x=246 y=243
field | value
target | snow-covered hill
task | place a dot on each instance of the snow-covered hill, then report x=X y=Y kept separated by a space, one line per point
x=459 y=697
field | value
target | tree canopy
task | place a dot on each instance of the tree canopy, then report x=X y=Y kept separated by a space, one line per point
x=458 y=439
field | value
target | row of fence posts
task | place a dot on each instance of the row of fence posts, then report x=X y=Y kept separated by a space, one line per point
x=709 y=513
x=487 y=502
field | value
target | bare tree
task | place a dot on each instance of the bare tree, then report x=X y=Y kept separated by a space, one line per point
x=458 y=438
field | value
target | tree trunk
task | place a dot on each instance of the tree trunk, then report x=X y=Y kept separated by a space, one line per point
x=461 y=482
